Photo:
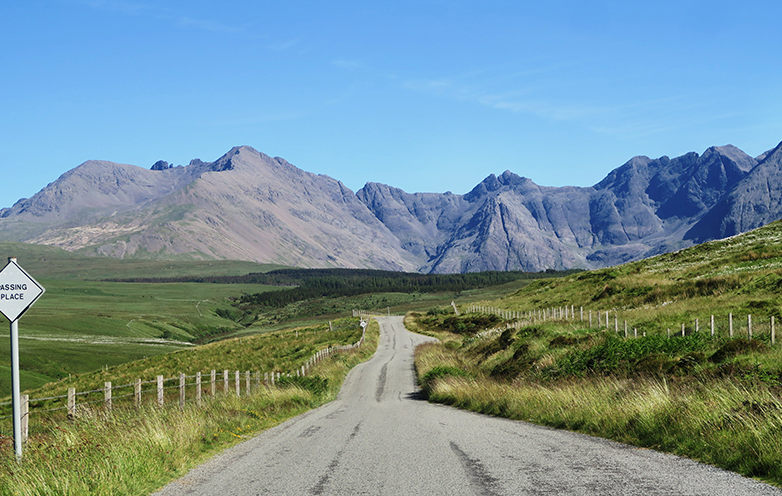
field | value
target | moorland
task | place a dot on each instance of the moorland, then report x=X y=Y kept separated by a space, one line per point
x=656 y=374
x=667 y=383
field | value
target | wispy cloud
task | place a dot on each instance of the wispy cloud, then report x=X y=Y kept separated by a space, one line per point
x=641 y=126
x=518 y=100
x=547 y=95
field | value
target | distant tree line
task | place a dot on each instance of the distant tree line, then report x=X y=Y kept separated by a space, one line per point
x=307 y=284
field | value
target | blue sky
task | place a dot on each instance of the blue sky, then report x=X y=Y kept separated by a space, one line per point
x=425 y=95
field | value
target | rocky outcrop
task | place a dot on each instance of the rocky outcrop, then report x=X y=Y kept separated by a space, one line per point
x=249 y=206
x=754 y=201
x=507 y=222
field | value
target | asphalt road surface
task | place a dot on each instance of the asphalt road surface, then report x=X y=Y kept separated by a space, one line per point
x=379 y=437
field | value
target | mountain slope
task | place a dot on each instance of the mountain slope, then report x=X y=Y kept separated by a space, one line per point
x=508 y=222
x=753 y=202
x=244 y=206
x=249 y=206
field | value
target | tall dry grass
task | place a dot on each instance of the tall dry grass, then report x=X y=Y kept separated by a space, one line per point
x=133 y=452
x=720 y=422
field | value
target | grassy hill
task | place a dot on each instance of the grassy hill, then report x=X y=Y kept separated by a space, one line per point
x=713 y=398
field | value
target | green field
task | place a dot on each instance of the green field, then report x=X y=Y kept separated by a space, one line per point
x=82 y=324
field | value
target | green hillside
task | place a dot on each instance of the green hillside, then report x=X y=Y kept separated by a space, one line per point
x=715 y=398
x=741 y=275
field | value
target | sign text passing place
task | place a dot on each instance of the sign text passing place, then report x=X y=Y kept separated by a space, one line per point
x=18 y=291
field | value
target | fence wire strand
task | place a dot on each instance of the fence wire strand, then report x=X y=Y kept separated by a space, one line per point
x=206 y=383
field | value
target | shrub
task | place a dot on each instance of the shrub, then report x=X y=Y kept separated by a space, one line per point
x=617 y=355
x=735 y=347
x=520 y=362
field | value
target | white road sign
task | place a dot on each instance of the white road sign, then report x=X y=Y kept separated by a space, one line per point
x=18 y=291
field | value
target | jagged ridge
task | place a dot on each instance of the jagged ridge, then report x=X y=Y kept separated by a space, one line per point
x=249 y=206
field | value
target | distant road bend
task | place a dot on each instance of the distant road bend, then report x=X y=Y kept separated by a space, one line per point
x=378 y=437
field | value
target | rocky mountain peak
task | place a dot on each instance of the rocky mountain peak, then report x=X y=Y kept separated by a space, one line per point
x=249 y=206
x=741 y=160
x=493 y=183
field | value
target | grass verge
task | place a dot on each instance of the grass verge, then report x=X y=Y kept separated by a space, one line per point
x=689 y=398
x=133 y=451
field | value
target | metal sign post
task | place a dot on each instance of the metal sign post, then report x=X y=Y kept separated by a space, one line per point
x=15 y=389
x=18 y=292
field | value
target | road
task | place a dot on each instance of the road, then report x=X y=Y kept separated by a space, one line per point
x=379 y=437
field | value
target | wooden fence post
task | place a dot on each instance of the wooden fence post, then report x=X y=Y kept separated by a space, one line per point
x=616 y=324
x=160 y=398
x=730 y=325
x=182 y=390
x=697 y=325
x=712 y=326
x=773 y=336
x=682 y=329
x=24 y=416
x=214 y=382
x=198 y=389
x=225 y=382
x=107 y=395
x=266 y=379
x=749 y=326
x=238 y=383
x=71 y=402
x=625 y=329
x=247 y=382
x=137 y=393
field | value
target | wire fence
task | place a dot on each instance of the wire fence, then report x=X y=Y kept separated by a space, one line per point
x=729 y=326
x=164 y=390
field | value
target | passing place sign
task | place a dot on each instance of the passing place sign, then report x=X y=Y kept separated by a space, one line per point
x=18 y=291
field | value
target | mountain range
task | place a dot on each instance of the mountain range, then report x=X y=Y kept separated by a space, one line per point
x=249 y=206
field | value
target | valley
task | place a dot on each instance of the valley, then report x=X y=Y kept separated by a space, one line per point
x=669 y=384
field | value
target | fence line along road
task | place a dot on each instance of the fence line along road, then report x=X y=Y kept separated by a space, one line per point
x=515 y=319
x=379 y=437
x=81 y=403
